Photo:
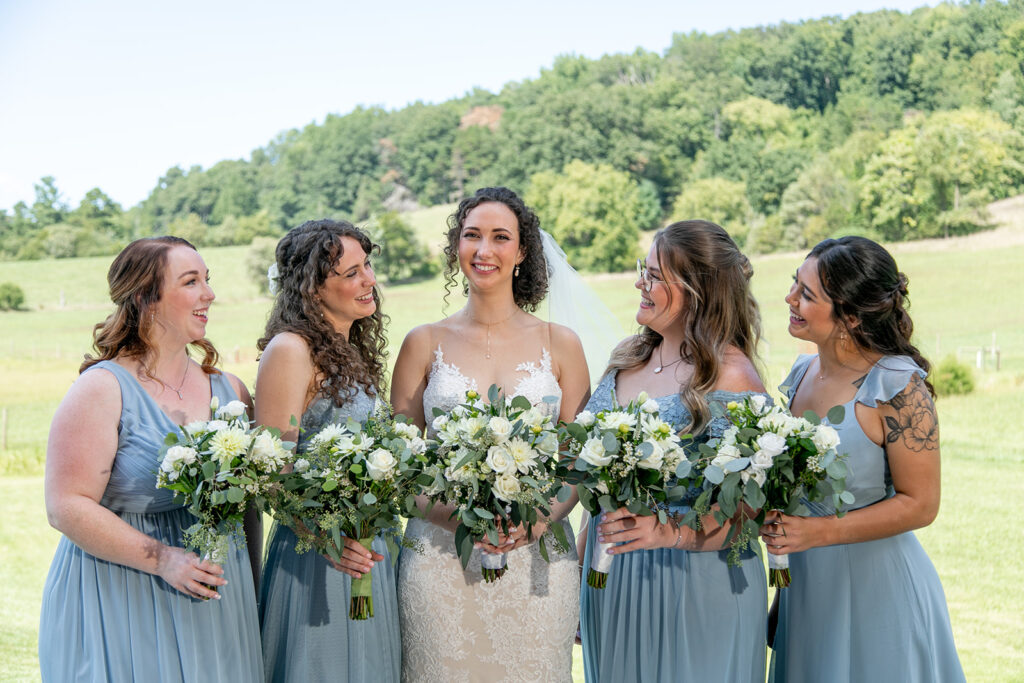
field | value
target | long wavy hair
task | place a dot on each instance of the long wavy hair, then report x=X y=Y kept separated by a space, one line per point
x=720 y=309
x=305 y=258
x=135 y=278
x=531 y=285
x=863 y=282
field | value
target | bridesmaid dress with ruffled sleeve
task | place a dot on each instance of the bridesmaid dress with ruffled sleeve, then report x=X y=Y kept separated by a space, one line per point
x=872 y=611
x=103 y=621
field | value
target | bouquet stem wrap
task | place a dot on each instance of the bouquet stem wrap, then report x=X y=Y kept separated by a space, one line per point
x=361 y=605
x=778 y=570
x=600 y=564
x=493 y=566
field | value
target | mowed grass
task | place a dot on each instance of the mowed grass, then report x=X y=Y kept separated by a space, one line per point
x=960 y=298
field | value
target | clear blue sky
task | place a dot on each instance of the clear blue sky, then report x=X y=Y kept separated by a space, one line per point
x=112 y=93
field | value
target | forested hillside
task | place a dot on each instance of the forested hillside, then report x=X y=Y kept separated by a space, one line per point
x=896 y=126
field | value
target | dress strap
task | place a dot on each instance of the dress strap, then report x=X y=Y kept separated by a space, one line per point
x=887 y=378
x=796 y=374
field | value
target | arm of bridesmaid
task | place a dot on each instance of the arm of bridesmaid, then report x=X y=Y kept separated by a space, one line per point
x=79 y=457
x=907 y=427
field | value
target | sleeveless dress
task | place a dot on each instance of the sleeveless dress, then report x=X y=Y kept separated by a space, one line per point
x=674 y=615
x=872 y=611
x=103 y=621
x=457 y=628
x=307 y=635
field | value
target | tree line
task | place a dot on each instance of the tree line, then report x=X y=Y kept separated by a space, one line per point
x=889 y=125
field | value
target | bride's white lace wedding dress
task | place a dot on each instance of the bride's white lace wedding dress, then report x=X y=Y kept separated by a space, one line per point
x=456 y=627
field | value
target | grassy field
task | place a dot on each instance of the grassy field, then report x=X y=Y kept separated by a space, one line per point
x=964 y=294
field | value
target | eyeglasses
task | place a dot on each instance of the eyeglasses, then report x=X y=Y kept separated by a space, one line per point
x=647 y=281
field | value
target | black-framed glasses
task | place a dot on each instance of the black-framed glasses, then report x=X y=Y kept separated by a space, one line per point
x=647 y=281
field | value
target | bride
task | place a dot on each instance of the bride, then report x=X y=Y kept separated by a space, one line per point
x=454 y=626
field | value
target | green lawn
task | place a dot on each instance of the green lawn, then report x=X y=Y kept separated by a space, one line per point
x=961 y=298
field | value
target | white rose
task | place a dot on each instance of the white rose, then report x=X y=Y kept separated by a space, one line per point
x=500 y=428
x=506 y=487
x=649 y=406
x=176 y=454
x=232 y=410
x=439 y=423
x=729 y=451
x=778 y=422
x=266 y=448
x=641 y=397
x=759 y=475
x=532 y=417
x=499 y=459
x=407 y=431
x=593 y=452
x=193 y=428
x=586 y=418
x=214 y=404
x=417 y=446
x=729 y=435
x=549 y=444
x=655 y=460
x=771 y=444
x=758 y=402
x=301 y=465
x=721 y=460
x=825 y=438
x=468 y=428
x=216 y=425
x=380 y=464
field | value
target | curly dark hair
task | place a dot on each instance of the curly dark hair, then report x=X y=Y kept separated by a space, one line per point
x=863 y=282
x=531 y=285
x=135 y=278
x=305 y=257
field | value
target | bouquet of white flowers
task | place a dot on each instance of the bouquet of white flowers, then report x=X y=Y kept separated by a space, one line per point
x=219 y=468
x=495 y=463
x=353 y=480
x=627 y=457
x=767 y=459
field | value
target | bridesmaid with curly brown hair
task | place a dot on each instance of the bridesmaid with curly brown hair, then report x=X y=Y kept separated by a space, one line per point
x=322 y=363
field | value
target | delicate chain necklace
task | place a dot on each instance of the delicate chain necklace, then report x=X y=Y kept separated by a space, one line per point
x=487 y=354
x=181 y=385
x=661 y=365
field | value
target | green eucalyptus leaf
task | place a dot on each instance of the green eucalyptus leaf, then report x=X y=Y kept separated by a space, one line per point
x=836 y=415
x=714 y=474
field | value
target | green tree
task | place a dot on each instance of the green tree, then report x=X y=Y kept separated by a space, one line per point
x=594 y=212
x=718 y=200
x=258 y=259
x=818 y=204
x=402 y=256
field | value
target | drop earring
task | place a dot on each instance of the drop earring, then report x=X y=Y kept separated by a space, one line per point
x=515 y=272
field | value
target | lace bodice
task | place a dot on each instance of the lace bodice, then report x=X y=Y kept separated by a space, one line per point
x=447 y=386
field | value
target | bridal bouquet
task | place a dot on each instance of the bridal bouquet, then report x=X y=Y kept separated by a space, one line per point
x=495 y=463
x=219 y=468
x=353 y=480
x=627 y=457
x=767 y=459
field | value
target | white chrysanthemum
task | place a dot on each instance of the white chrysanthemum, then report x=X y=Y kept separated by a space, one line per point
x=616 y=420
x=506 y=487
x=193 y=428
x=499 y=459
x=469 y=427
x=655 y=428
x=593 y=452
x=327 y=435
x=228 y=443
x=380 y=464
x=524 y=456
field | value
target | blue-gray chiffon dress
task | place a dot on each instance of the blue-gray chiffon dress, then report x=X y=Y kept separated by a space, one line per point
x=872 y=611
x=674 y=615
x=103 y=621
x=304 y=601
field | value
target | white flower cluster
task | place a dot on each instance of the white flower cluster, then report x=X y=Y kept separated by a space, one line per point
x=514 y=443
x=772 y=426
x=645 y=440
x=336 y=448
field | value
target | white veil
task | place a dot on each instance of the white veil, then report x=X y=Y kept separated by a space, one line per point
x=571 y=302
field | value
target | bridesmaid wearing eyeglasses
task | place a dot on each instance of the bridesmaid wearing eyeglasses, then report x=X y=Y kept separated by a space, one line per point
x=673 y=609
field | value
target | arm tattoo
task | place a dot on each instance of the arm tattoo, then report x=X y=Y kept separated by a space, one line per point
x=915 y=422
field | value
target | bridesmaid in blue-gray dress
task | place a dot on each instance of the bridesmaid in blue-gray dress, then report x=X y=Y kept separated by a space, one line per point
x=673 y=609
x=865 y=603
x=323 y=362
x=123 y=600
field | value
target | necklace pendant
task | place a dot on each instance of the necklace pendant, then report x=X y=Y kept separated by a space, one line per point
x=657 y=370
x=178 y=392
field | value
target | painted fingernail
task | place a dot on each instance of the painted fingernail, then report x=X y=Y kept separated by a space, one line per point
x=216 y=596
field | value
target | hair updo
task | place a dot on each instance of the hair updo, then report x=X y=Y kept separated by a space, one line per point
x=864 y=284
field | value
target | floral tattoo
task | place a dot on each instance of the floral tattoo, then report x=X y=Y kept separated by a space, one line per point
x=915 y=422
